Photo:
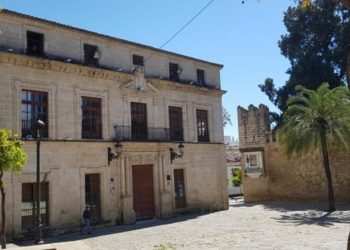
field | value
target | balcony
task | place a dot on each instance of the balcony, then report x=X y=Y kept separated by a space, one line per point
x=129 y=133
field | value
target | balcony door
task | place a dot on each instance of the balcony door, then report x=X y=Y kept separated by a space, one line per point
x=175 y=123
x=138 y=121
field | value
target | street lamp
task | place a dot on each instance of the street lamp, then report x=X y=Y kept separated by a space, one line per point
x=111 y=156
x=174 y=155
x=38 y=125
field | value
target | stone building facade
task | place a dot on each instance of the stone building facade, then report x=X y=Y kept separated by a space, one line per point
x=271 y=176
x=95 y=92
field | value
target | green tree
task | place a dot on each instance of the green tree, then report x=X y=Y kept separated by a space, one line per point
x=12 y=158
x=237 y=177
x=317 y=120
x=317 y=47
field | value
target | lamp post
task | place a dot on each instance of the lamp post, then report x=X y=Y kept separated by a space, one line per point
x=174 y=155
x=39 y=124
x=111 y=156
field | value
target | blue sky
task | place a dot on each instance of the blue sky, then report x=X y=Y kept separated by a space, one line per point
x=243 y=37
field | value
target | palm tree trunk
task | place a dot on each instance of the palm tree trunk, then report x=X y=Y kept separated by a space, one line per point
x=347 y=70
x=331 y=201
x=3 y=214
x=349 y=241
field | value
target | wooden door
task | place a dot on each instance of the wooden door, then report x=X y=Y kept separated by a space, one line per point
x=180 y=194
x=143 y=191
x=93 y=195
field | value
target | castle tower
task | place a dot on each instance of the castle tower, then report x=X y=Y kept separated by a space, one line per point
x=253 y=125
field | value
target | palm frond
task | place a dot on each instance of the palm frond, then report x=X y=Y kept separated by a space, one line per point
x=310 y=111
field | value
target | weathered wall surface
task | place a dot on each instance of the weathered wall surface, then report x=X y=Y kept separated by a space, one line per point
x=65 y=163
x=295 y=179
x=115 y=53
x=66 y=158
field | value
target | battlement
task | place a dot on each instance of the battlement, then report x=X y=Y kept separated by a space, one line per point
x=253 y=126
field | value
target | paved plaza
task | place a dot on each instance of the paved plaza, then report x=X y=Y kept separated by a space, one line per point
x=243 y=226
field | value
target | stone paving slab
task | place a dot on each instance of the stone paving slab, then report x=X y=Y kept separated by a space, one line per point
x=243 y=226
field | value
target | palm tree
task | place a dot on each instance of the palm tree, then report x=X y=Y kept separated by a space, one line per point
x=317 y=120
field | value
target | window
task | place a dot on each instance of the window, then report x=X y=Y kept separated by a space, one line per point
x=93 y=194
x=91 y=122
x=253 y=164
x=173 y=71
x=253 y=161
x=138 y=121
x=91 y=55
x=200 y=77
x=202 y=125
x=34 y=107
x=175 y=123
x=35 y=43
x=137 y=60
x=179 y=182
x=29 y=194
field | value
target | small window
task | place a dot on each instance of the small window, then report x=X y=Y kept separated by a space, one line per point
x=91 y=54
x=91 y=122
x=35 y=43
x=34 y=107
x=137 y=60
x=253 y=163
x=173 y=71
x=202 y=125
x=200 y=77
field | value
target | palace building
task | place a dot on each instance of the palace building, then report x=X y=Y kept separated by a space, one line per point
x=132 y=131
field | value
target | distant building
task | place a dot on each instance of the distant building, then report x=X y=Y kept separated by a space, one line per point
x=92 y=91
x=233 y=162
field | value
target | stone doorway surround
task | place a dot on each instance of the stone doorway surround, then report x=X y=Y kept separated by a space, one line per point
x=154 y=154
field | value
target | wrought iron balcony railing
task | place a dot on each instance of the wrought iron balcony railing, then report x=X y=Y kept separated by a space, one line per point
x=129 y=133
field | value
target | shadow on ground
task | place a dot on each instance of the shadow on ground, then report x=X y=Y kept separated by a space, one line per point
x=300 y=213
x=112 y=230
x=316 y=218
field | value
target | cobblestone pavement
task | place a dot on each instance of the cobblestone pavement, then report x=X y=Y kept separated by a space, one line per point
x=243 y=226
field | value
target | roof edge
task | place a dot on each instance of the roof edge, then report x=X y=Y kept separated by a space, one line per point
x=10 y=12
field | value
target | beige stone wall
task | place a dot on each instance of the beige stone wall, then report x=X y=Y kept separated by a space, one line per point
x=66 y=84
x=65 y=163
x=295 y=179
x=69 y=43
x=66 y=158
x=252 y=126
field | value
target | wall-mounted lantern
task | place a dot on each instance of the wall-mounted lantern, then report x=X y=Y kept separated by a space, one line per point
x=174 y=155
x=118 y=151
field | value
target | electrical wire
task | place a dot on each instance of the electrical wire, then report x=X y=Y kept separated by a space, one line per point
x=162 y=46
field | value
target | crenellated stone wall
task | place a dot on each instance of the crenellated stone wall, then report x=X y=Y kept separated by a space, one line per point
x=253 y=124
x=300 y=179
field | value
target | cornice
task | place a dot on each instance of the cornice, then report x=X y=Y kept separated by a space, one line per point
x=85 y=71
x=62 y=67
x=165 y=84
